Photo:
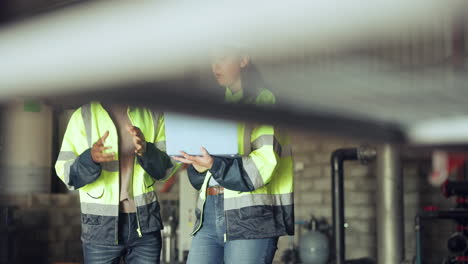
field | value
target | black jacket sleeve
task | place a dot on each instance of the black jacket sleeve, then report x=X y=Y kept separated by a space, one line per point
x=230 y=173
x=196 y=178
x=155 y=162
x=84 y=170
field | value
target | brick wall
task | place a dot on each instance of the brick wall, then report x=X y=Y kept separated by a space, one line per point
x=312 y=155
x=313 y=197
x=48 y=227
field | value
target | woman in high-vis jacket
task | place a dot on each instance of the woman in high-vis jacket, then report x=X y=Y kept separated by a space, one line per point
x=245 y=203
x=113 y=155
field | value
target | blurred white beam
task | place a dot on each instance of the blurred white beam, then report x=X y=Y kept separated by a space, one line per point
x=105 y=43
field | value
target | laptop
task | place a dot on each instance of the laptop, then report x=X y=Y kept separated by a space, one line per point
x=189 y=133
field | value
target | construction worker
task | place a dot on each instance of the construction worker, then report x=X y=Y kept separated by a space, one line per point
x=245 y=203
x=113 y=155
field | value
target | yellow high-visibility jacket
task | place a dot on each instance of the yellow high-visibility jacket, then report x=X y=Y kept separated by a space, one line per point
x=258 y=195
x=98 y=184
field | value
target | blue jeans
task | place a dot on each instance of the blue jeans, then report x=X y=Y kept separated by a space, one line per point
x=133 y=249
x=208 y=246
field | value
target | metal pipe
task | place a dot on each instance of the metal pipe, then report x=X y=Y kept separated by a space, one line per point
x=339 y=156
x=418 y=239
x=337 y=159
x=390 y=232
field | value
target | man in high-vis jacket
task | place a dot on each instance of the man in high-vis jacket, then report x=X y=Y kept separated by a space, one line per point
x=113 y=155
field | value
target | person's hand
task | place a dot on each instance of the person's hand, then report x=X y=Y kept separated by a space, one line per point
x=97 y=151
x=201 y=164
x=138 y=139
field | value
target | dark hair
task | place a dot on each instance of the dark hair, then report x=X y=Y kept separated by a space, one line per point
x=252 y=81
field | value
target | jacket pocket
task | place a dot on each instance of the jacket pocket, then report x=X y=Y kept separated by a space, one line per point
x=97 y=192
x=255 y=212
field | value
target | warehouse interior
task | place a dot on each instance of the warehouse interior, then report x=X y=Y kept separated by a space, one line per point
x=369 y=96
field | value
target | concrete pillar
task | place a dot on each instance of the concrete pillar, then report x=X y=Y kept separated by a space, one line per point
x=27 y=148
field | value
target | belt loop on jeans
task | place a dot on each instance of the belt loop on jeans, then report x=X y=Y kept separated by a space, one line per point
x=214 y=190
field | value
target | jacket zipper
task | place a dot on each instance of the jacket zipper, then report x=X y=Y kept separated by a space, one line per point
x=201 y=217
x=136 y=208
x=201 y=212
x=117 y=220
x=133 y=176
